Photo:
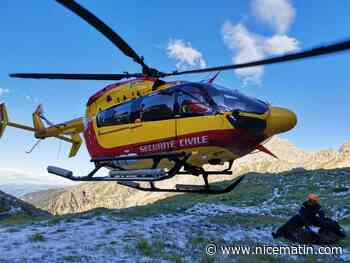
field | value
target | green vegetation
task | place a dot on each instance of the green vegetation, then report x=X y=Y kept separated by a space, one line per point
x=20 y=219
x=144 y=247
x=150 y=249
x=198 y=241
x=37 y=237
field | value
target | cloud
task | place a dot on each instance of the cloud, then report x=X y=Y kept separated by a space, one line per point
x=280 y=44
x=31 y=99
x=278 y=14
x=4 y=91
x=248 y=46
x=185 y=54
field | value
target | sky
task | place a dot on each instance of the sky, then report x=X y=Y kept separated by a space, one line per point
x=42 y=36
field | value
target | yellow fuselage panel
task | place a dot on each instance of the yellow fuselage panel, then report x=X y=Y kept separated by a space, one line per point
x=147 y=132
x=190 y=125
x=127 y=134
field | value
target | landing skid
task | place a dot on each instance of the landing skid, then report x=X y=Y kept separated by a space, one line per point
x=130 y=178
x=179 y=159
x=182 y=188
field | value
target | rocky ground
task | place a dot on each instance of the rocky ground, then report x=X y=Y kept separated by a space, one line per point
x=178 y=228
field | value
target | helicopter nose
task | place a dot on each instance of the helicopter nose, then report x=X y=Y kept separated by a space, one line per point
x=280 y=120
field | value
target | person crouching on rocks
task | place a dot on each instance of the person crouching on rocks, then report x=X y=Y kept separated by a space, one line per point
x=310 y=214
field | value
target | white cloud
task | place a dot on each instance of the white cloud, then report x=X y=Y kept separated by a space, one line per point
x=278 y=14
x=280 y=44
x=247 y=48
x=185 y=54
x=4 y=91
x=31 y=99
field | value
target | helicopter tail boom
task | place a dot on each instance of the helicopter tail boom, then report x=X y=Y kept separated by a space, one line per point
x=4 y=121
x=67 y=131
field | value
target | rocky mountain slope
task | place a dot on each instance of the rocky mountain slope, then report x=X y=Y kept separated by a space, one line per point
x=13 y=207
x=180 y=228
x=87 y=196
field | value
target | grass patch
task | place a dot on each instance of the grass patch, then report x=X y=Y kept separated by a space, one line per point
x=20 y=219
x=174 y=258
x=70 y=218
x=144 y=247
x=37 y=238
x=149 y=249
x=198 y=241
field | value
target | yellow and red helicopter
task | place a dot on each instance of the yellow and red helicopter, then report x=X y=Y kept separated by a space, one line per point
x=147 y=129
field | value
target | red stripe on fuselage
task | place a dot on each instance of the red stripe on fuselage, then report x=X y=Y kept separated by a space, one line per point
x=237 y=141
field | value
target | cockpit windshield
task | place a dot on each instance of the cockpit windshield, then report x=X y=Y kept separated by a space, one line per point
x=228 y=99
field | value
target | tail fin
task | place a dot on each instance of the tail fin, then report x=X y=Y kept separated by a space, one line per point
x=39 y=126
x=76 y=143
x=3 y=119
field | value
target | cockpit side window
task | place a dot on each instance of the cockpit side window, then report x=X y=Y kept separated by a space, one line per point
x=227 y=99
x=159 y=106
x=115 y=115
x=193 y=102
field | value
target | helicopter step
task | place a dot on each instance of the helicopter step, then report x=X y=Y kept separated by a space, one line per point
x=60 y=172
x=138 y=175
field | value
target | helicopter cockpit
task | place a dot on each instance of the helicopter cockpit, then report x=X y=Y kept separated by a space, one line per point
x=228 y=99
x=211 y=98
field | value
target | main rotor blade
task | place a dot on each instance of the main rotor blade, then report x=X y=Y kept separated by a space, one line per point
x=102 y=28
x=73 y=76
x=338 y=47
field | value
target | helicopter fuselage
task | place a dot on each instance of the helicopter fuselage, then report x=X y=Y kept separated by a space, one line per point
x=212 y=123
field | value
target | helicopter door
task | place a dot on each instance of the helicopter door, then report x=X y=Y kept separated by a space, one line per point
x=155 y=129
x=113 y=126
x=195 y=118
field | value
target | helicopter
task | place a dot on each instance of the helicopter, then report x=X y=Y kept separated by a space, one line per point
x=145 y=129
